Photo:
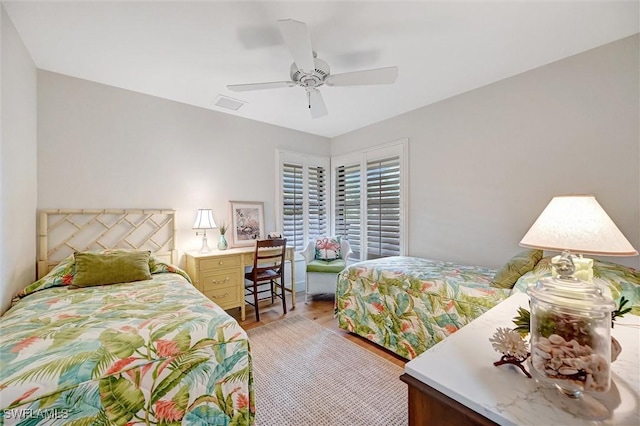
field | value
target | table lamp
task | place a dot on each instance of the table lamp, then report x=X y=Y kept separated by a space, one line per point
x=204 y=221
x=570 y=317
x=579 y=225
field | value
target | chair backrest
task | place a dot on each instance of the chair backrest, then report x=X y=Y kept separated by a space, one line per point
x=271 y=252
x=345 y=249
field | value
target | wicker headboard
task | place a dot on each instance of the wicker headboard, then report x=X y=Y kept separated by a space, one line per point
x=65 y=231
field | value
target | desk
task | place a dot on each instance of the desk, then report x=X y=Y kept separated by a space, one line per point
x=219 y=275
x=456 y=379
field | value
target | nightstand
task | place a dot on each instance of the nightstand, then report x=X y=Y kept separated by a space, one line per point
x=456 y=383
x=219 y=276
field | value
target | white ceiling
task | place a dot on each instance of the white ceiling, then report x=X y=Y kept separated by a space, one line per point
x=189 y=52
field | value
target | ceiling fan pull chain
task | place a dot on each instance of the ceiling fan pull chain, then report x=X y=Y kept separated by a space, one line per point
x=309 y=99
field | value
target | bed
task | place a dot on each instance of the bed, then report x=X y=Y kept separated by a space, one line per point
x=407 y=304
x=151 y=351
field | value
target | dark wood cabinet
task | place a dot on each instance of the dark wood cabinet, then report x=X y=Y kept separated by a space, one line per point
x=429 y=407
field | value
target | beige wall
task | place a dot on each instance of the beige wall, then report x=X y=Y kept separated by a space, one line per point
x=103 y=147
x=484 y=164
x=17 y=164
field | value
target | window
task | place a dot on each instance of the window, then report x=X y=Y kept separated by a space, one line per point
x=369 y=200
x=317 y=196
x=347 y=202
x=383 y=208
x=292 y=208
x=304 y=197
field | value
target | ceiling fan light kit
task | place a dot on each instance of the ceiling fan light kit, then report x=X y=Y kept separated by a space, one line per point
x=310 y=72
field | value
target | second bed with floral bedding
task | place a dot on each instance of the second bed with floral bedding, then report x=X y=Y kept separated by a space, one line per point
x=408 y=304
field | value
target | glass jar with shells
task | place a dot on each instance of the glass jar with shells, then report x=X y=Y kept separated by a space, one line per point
x=571 y=339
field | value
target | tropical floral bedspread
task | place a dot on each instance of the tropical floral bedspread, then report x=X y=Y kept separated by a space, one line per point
x=408 y=304
x=153 y=352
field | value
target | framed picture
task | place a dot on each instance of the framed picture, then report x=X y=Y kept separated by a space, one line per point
x=247 y=222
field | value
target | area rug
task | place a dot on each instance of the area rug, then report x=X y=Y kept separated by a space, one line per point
x=306 y=374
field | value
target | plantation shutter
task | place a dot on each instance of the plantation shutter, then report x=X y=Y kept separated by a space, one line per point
x=317 y=196
x=292 y=204
x=347 y=206
x=383 y=208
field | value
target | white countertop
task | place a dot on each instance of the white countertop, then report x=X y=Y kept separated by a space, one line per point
x=461 y=367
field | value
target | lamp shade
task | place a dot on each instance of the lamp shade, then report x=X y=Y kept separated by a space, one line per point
x=204 y=220
x=577 y=223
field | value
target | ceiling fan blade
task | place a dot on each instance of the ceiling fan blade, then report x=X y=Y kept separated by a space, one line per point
x=385 y=75
x=260 y=86
x=296 y=36
x=316 y=103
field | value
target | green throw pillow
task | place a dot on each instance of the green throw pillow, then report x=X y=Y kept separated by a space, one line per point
x=516 y=267
x=110 y=268
x=331 y=266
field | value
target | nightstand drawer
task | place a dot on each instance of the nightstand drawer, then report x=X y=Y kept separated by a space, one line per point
x=212 y=280
x=219 y=262
x=224 y=296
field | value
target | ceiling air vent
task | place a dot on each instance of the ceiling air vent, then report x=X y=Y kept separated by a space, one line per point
x=229 y=103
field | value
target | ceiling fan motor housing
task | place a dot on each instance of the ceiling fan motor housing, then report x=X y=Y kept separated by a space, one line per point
x=313 y=79
x=315 y=72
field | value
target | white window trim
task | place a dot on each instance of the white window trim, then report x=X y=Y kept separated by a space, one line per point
x=398 y=147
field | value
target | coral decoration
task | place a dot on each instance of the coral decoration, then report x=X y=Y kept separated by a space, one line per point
x=512 y=346
x=509 y=342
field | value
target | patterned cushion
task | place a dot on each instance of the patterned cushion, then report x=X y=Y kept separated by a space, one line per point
x=328 y=248
x=332 y=266
x=516 y=267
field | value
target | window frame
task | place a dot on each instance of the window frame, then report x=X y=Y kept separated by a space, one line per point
x=352 y=190
x=306 y=161
x=398 y=148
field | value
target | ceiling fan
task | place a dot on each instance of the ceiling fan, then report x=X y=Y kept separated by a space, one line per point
x=311 y=72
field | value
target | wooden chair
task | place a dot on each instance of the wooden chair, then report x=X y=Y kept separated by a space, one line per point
x=268 y=266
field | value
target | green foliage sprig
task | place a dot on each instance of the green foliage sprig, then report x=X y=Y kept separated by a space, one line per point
x=522 y=322
x=223 y=228
x=618 y=313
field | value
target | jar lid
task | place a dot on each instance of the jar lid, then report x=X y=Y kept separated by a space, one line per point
x=571 y=293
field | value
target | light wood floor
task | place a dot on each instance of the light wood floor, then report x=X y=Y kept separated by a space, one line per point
x=320 y=310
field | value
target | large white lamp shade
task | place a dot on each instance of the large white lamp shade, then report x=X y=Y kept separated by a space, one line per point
x=577 y=223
